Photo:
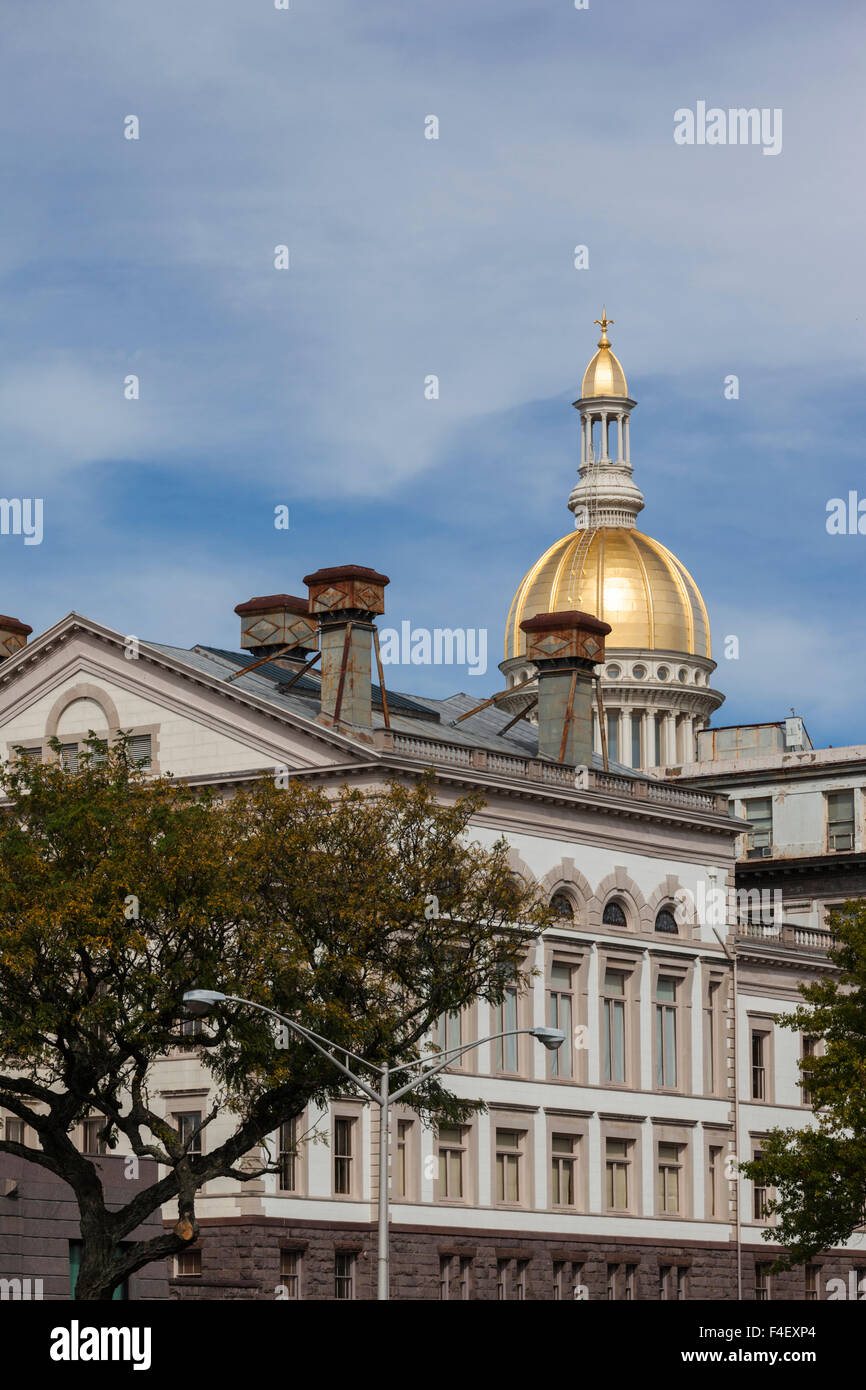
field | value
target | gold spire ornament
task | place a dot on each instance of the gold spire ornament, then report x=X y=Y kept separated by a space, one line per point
x=603 y=323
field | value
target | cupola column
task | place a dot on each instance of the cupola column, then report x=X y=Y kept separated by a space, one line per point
x=669 y=751
x=647 y=740
x=625 y=738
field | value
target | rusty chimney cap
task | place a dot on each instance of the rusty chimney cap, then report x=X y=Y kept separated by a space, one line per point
x=13 y=625
x=269 y=602
x=571 y=617
x=347 y=572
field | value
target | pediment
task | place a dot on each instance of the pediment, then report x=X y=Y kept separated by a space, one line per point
x=199 y=724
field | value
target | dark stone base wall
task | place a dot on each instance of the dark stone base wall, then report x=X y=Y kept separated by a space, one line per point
x=39 y=1218
x=240 y=1259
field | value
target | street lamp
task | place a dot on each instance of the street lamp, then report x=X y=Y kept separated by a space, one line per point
x=384 y=1097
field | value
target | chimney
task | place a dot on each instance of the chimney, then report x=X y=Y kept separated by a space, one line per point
x=566 y=648
x=13 y=636
x=346 y=599
x=275 y=621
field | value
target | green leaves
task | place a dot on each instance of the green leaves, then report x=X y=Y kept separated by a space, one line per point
x=819 y=1174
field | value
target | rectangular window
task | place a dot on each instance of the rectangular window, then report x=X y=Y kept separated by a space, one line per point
x=566 y=1279
x=562 y=1170
x=187 y=1122
x=711 y=1034
x=454 y=1277
x=13 y=1130
x=69 y=757
x=452 y=1159
x=509 y=1163
x=344 y=1157
x=506 y=1022
x=635 y=741
x=668 y=1179
x=840 y=820
x=672 y=1282
x=666 y=1031
x=759 y=810
x=760 y=1196
x=288 y=1156
x=187 y=1264
x=511 y=1280
x=614 y=1026
x=812 y=1283
x=759 y=1064
x=763 y=1290
x=714 y=1177
x=91 y=1141
x=808 y=1048
x=121 y=1293
x=621 y=1282
x=139 y=750
x=560 y=1015
x=345 y=1262
x=617 y=1165
x=290 y=1272
x=404 y=1158
x=449 y=1033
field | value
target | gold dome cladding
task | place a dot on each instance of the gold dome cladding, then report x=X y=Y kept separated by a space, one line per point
x=626 y=579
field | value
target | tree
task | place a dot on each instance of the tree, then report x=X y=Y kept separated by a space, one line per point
x=364 y=916
x=819 y=1173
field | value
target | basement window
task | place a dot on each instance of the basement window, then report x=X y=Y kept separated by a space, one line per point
x=187 y=1264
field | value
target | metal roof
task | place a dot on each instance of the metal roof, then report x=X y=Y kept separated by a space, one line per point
x=412 y=714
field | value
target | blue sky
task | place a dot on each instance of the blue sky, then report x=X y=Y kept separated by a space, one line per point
x=408 y=257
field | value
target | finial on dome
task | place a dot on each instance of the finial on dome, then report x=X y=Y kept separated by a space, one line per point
x=604 y=376
x=603 y=323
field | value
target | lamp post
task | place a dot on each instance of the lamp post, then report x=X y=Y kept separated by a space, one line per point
x=732 y=957
x=383 y=1096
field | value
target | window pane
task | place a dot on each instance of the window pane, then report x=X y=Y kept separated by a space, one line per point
x=670 y=1047
x=560 y=1017
x=618 y=1041
x=666 y=989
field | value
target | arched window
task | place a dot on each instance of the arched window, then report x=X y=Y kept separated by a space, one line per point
x=563 y=906
x=613 y=916
x=665 y=921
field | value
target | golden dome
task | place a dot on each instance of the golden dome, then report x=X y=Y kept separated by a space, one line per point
x=623 y=577
x=604 y=376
